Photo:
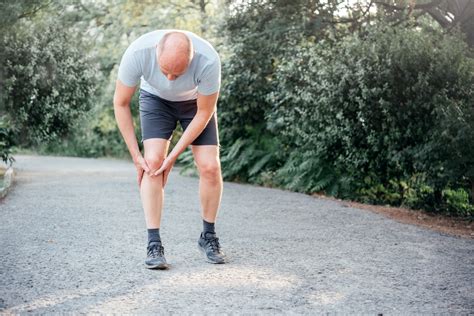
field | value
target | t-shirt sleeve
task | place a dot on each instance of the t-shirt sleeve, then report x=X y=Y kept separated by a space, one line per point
x=210 y=81
x=129 y=71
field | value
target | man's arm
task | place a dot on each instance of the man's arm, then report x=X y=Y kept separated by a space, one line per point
x=206 y=106
x=123 y=116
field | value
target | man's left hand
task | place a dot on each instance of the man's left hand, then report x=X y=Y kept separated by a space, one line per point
x=165 y=168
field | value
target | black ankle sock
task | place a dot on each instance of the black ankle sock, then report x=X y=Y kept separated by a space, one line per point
x=208 y=227
x=154 y=235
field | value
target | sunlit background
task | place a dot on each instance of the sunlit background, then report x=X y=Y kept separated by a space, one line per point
x=367 y=100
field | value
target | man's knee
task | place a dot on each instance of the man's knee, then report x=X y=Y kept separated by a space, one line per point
x=210 y=169
x=154 y=162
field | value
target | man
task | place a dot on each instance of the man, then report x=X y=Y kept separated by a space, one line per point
x=179 y=75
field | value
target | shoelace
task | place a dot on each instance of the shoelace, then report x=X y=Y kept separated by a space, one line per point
x=214 y=243
x=156 y=251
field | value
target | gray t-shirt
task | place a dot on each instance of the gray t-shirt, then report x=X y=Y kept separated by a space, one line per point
x=139 y=63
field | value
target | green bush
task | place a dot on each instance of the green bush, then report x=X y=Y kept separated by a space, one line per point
x=247 y=157
x=47 y=82
x=456 y=202
x=377 y=108
x=258 y=36
x=96 y=133
x=6 y=140
x=304 y=172
x=416 y=193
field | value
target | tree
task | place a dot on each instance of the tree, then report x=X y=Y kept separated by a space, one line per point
x=13 y=11
x=449 y=14
x=47 y=82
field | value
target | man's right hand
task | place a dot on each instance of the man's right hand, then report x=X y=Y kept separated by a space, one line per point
x=142 y=167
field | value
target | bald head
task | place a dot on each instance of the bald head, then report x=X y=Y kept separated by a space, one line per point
x=174 y=53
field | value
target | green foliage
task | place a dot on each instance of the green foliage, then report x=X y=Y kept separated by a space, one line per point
x=412 y=192
x=13 y=11
x=448 y=154
x=416 y=193
x=457 y=203
x=381 y=105
x=258 y=36
x=255 y=32
x=6 y=140
x=247 y=158
x=47 y=83
x=96 y=133
x=305 y=172
x=186 y=161
x=384 y=115
x=375 y=192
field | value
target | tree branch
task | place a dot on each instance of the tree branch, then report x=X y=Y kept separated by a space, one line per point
x=439 y=17
x=34 y=10
x=421 y=6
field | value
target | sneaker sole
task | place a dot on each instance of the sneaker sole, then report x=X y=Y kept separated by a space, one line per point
x=207 y=259
x=157 y=267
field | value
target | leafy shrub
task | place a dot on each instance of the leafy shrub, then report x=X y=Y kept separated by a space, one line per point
x=416 y=193
x=372 y=191
x=304 y=172
x=379 y=107
x=258 y=36
x=247 y=158
x=6 y=141
x=47 y=82
x=456 y=202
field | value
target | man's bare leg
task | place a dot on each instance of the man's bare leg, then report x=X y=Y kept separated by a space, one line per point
x=151 y=189
x=210 y=179
x=210 y=191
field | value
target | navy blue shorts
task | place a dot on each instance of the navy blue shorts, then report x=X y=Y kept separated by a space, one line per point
x=159 y=117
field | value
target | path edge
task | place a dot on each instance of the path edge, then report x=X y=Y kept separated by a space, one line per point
x=7 y=182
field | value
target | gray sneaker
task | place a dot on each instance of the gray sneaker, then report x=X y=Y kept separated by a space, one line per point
x=210 y=247
x=156 y=256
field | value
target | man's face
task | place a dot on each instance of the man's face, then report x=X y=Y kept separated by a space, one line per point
x=171 y=73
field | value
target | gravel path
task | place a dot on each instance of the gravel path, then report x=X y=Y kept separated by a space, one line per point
x=74 y=240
